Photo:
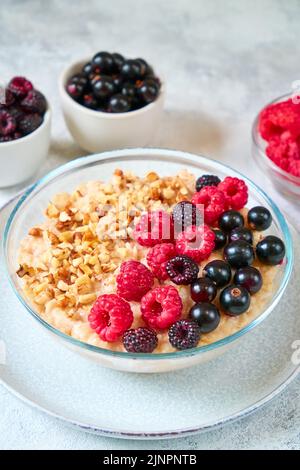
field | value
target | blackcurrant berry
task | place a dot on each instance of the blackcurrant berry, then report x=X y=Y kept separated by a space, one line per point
x=119 y=104
x=241 y=233
x=234 y=300
x=118 y=60
x=239 y=254
x=103 y=87
x=129 y=90
x=203 y=290
x=206 y=315
x=230 y=220
x=220 y=239
x=148 y=90
x=104 y=61
x=270 y=250
x=131 y=69
x=250 y=278
x=218 y=271
x=259 y=218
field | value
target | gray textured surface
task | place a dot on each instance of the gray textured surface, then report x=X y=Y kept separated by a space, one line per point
x=221 y=65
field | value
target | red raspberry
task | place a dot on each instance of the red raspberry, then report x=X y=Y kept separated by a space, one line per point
x=154 y=227
x=161 y=307
x=196 y=242
x=279 y=117
x=134 y=280
x=213 y=201
x=19 y=86
x=110 y=316
x=283 y=147
x=235 y=191
x=157 y=258
x=294 y=167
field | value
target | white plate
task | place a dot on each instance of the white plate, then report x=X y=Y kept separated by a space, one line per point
x=68 y=387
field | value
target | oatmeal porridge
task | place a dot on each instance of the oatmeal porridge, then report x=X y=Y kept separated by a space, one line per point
x=150 y=264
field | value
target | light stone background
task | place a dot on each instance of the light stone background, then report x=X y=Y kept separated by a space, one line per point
x=222 y=61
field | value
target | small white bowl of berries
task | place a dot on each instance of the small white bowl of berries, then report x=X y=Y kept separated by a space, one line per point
x=25 y=123
x=111 y=102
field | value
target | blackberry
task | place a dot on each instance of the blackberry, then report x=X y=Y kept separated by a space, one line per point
x=182 y=270
x=207 y=180
x=184 y=214
x=141 y=340
x=184 y=334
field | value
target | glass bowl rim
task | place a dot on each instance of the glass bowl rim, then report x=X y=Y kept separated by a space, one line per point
x=255 y=141
x=158 y=152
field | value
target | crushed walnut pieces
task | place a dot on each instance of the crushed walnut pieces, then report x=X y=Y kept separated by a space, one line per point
x=88 y=233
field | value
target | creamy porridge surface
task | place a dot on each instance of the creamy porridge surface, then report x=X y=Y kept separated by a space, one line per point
x=74 y=255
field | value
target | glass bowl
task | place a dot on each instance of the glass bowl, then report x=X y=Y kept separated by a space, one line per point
x=29 y=211
x=284 y=182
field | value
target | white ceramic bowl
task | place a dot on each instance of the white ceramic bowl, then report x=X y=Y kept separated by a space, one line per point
x=29 y=211
x=21 y=158
x=95 y=131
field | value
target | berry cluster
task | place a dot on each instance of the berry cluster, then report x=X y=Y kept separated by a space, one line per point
x=279 y=125
x=177 y=243
x=22 y=108
x=110 y=83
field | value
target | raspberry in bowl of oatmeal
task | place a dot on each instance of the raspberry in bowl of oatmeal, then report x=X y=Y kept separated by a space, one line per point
x=121 y=268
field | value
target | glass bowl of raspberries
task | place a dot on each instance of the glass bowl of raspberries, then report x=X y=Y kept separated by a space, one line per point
x=25 y=121
x=169 y=292
x=276 y=144
x=111 y=102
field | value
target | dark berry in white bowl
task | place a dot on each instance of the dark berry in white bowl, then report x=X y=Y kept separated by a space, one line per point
x=259 y=218
x=25 y=124
x=235 y=300
x=270 y=250
x=250 y=278
x=239 y=253
x=218 y=271
x=97 y=117
x=206 y=315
